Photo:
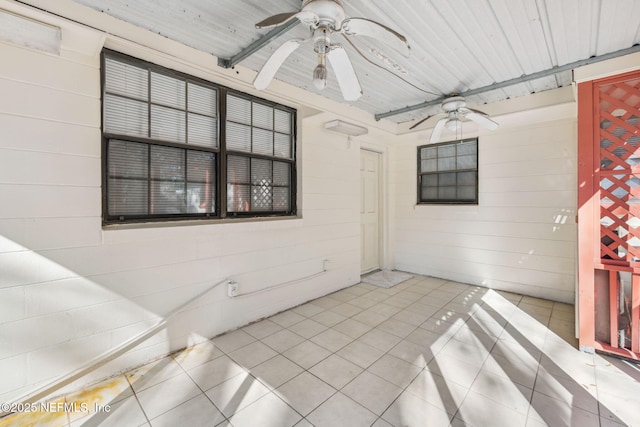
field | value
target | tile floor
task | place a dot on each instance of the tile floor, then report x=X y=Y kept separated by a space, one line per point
x=427 y=352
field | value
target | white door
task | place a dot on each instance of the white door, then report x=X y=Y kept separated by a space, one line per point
x=369 y=210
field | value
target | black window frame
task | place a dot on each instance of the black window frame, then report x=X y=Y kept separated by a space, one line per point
x=251 y=155
x=220 y=151
x=421 y=175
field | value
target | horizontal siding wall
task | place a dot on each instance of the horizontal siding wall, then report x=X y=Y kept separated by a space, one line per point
x=70 y=289
x=521 y=237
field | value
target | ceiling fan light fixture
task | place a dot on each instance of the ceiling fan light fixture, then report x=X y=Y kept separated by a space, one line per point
x=322 y=45
x=452 y=124
x=320 y=73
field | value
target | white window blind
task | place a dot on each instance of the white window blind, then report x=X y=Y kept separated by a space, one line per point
x=144 y=103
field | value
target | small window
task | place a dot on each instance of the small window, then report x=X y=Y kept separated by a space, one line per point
x=448 y=172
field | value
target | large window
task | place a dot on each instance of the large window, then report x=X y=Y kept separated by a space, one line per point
x=169 y=153
x=448 y=172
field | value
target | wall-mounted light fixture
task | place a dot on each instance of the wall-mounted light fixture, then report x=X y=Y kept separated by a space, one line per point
x=30 y=33
x=346 y=128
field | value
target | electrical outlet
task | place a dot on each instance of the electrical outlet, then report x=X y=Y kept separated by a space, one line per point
x=325 y=264
x=232 y=289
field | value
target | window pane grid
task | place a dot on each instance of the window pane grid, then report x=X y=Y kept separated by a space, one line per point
x=161 y=137
x=149 y=104
x=257 y=185
x=153 y=180
x=448 y=172
x=254 y=127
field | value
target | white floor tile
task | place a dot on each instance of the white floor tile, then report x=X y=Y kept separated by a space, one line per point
x=412 y=318
x=340 y=411
x=474 y=353
x=276 y=371
x=305 y=392
x=479 y=410
x=346 y=309
x=308 y=310
x=380 y=339
x=268 y=411
x=336 y=371
x=567 y=390
x=454 y=370
x=154 y=373
x=197 y=355
x=327 y=302
x=308 y=328
x=287 y=318
x=214 y=372
x=252 y=354
x=372 y=392
x=233 y=340
x=237 y=393
x=283 y=340
x=439 y=392
x=328 y=318
x=163 y=397
x=198 y=411
x=397 y=327
x=419 y=355
x=394 y=370
x=370 y=318
x=126 y=412
x=307 y=354
x=262 y=329
x=512 y=369
x=503 y=391
x=352 y=328
x=332 y=340
x=555 y=412
x=409 y=410
x=361 y=354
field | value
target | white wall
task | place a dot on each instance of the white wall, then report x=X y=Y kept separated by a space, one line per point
x=70 y=289
x=521 y=236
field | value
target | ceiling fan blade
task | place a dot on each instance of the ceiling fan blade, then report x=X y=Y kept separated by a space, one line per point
x=478 y=117
x=369 y=28
x=420 y=122
x=305 y=17
x=345 y=74
x=436 y=133
x=270 y=68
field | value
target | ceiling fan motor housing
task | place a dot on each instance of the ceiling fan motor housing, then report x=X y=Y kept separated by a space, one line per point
x=330 y=12
x=453 y=103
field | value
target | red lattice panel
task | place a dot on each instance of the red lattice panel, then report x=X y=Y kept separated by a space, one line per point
x=619 y=119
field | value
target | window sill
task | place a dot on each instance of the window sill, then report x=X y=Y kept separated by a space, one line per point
x=286 y=221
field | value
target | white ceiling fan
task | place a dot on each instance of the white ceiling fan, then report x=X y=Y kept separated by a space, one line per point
x=455 y=110
x=324 y=18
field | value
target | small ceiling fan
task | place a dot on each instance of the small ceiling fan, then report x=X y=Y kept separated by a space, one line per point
x=324 y=18
x=456 y=110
